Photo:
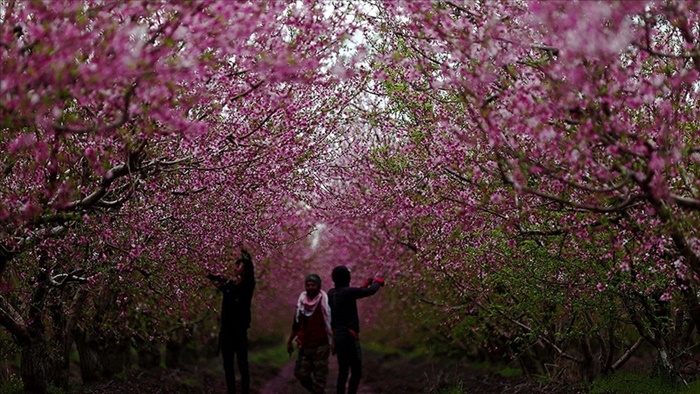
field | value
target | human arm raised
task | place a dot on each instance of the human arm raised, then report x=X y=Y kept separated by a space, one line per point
x=220 y=281
x=369 y=287
x=248 y=268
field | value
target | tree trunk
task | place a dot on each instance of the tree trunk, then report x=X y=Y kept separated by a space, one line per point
x=4 y=372
x=115 y=357
x=192 y=351
x=690 y=298
x=530 y=364
x=41 y=365
x=89 y=358
x=667 y=368
x=148 y=355
x=173 y=351
x=100 y=361
x=59 y=371
x=34 y=367
x=588 y=365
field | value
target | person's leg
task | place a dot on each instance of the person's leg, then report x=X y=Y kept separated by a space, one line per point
x=355 y=367
x=242 y=358
x=227 y=353
x=343 y=354
x=302 y=370
x=320 y=368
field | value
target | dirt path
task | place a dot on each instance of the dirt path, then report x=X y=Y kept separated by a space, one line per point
x=286 y=383
x=382 y=374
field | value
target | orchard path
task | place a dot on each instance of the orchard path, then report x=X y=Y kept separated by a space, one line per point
x=286 y=383
x=382 y=374
x=394 y=374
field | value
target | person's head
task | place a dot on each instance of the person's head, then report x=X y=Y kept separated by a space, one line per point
x=312 y=283
x=341 y=276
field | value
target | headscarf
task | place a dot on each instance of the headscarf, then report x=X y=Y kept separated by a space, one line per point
x=308 y=306
x=314 y=278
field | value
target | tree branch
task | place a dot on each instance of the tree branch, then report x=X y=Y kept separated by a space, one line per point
x=130 y=93
x=629 y=353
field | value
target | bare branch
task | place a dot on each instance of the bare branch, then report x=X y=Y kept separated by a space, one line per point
x=568 y=229
x=12 y=323
x=61 y=280
x=629 y=353
x=258 y=127
x=247 y=92
x=623 y=205
x=685 y=202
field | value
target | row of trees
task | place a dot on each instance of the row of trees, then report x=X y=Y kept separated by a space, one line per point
x=529 y=170
x=540 y=159
x=143 y=143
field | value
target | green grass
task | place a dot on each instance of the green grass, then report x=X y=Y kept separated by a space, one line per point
x=691 y=387
x=379 y=348
x=626 y=383
x=456 y=388
x=192 y=383
x=508 y=372
x=56 y=390
x=12 y=386
x=275 y=356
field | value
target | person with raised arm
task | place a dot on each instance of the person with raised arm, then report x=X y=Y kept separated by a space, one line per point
x=235 y=319
x=345 y=322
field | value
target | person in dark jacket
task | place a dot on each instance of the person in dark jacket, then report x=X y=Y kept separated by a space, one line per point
x=346 y=325
x=235 y=319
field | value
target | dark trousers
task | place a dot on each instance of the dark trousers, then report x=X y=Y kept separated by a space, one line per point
x=234 y=343
x=349 y=353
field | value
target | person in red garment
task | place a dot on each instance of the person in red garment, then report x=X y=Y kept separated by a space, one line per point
x=312 y=330
x=346 y=325
x=235 y=320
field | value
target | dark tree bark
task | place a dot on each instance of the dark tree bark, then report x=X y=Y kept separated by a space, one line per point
x=115 y=357
x=148 y=355
x=34 y=367
x=89 y=358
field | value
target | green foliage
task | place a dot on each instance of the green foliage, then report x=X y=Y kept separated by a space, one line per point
x=506 y=304
x=12 y=386
x=627 y=383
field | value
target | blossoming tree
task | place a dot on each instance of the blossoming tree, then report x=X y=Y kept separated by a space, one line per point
x=540 y=159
